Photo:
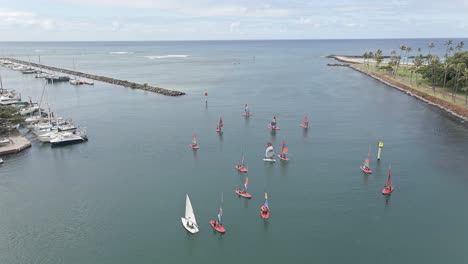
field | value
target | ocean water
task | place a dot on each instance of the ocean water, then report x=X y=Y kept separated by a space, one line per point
x=118 y=198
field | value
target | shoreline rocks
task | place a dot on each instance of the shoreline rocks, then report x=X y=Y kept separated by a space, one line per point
x=110 y=80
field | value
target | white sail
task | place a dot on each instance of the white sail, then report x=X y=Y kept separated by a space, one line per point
x=189 y=214
x=269 y=153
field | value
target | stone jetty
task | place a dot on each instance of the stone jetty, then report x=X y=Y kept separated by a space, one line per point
x=17 y=143
x=124 y=83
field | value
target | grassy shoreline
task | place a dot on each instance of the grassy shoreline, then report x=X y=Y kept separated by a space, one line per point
x=455 y=105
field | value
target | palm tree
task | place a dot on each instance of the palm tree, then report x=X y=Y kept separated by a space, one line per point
x=459 y=46
x=465 y=89
x=370 y=56
x=408 y=51
x=433 y=61
x=402 y=48
x=378 y=58
x=418 y=62
x=448 y=49
x=459 y=68
x=430 y=46
x=366 y=56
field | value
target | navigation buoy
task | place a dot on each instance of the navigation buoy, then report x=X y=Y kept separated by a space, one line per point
x=379 y=152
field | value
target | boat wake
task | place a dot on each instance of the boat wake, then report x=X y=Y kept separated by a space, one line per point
x=167 y=56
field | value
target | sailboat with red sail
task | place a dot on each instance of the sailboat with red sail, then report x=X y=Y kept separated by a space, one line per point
x=284 y=152
x=220 y=125
x=388 y=189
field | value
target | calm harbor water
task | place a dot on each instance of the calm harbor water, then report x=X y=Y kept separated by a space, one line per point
x=119 y=197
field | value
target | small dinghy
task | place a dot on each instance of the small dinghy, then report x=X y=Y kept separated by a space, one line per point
x=269 y=154
x=218 y=224
x=388 y=189
x=264 y=209
x=244 y=192
x=189 y=222
x=305 y=122
x=273 y=125
x=365 y=167
x=241 y=167
x=284 y=152
x=220 y=125
x=194 y=144
x=246 y=111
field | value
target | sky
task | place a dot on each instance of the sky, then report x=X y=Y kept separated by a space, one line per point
x=127 y=20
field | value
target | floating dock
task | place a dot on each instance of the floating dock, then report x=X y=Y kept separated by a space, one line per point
x=17 y=143
x=124 y=83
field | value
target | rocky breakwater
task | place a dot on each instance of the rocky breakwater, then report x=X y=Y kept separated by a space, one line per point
x=124 y=83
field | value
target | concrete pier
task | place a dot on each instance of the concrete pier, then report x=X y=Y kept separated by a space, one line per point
x=17 y=143
x=99 y=78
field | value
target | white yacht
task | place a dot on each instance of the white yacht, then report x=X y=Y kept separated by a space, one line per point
x=68 y=138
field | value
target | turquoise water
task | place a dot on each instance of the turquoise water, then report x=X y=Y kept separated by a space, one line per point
x=119 y=197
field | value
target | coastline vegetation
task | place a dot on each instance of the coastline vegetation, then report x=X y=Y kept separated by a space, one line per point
x=445 y=78
x=9 y=117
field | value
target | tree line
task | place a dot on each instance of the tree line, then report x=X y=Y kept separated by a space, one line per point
x=450 y=71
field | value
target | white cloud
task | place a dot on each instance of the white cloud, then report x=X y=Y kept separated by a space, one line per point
x=116 y=25
x=233 y=27
x=304 y=21
x=12 y=18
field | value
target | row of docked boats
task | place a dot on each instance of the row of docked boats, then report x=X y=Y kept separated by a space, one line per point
x=40 y=73
x=45 y=125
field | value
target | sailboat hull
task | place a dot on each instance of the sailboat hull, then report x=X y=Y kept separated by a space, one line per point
x=218 y=228
x=365 y=170
x=264 y=214
x=386 y=191
x=274 y=127
x=304 y=126
x=243 y=194
x=269 y=160
x=241 y=168
x=193 y=229
x=194 y=146
x=283 y=158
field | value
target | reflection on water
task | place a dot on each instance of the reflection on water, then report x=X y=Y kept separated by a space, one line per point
x=195 y=154
x=387 y=200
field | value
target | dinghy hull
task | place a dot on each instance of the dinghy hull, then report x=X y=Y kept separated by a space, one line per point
x=218 y=228
x=243 y=194
x=193 y=229
x=367 y=171
x=387 y=191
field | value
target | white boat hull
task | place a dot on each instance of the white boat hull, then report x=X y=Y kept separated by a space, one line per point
x=269 y=160
x=193 y=230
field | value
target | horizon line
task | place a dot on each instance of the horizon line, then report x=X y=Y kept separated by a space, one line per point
x=201 y=40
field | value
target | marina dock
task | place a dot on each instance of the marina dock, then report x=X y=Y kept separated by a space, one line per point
x=17 y=143
x=124 y=83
